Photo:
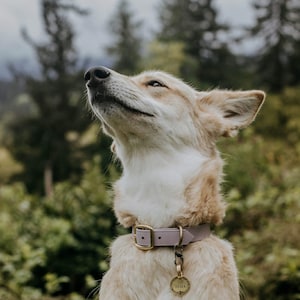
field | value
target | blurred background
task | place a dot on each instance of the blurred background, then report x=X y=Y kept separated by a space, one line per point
x=56 y=170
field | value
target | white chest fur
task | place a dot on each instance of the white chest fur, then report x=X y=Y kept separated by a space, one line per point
x=152 y=188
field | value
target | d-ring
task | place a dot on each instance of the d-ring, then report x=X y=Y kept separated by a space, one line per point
x=180 y=236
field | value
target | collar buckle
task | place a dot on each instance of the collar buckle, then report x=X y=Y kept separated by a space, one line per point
x=144 y=227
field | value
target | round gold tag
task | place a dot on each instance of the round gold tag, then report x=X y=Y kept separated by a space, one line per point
x=180 y=285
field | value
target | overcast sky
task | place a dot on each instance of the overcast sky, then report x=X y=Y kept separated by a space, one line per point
x=92 y=31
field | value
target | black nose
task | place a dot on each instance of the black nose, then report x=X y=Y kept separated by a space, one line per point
x=96 y=75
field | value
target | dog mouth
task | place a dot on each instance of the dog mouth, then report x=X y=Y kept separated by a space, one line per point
x=100 y=99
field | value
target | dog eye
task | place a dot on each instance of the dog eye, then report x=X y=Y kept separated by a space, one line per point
x=155 y=83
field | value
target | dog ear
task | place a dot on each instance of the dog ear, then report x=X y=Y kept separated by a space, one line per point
x=235 y=110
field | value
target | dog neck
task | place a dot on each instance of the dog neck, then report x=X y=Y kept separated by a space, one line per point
x=164 y=187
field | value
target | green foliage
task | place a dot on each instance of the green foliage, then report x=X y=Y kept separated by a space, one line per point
x=196 y=25
x=126 y=49
x=262 y=189
x=277 y=24
x=55 y=245
x=265 y=231
x=9 y=167
x=282 y=118
x=43 y=148
x=18 y=257
x=156 y=60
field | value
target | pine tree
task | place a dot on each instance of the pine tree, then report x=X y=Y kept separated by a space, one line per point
x=40 y=141
x=126 y=48
x=194 y=22
x=278 y=26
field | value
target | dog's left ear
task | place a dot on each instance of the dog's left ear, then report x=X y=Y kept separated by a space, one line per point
x=235 y=110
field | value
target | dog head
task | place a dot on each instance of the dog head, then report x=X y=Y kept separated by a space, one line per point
x=157 y=110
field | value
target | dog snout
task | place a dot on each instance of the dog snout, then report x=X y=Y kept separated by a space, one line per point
x=95 y=76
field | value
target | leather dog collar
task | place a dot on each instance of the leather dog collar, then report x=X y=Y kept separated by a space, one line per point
x=145 y=237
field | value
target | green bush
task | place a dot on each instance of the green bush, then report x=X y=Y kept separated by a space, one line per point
x=58 y=245
x=263 y=216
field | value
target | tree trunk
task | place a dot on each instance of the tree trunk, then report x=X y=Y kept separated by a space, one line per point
x=48 y=179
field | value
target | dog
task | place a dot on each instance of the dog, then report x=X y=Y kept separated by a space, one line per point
x=164 y=133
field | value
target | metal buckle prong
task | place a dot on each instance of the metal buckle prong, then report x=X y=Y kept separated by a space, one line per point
x=144 y=227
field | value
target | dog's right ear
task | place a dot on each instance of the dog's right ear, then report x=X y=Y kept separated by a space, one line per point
x=231 y=110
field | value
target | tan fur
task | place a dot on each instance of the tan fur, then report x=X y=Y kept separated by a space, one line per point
x=165 y=136
x=203 y=198
x=139 y=275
